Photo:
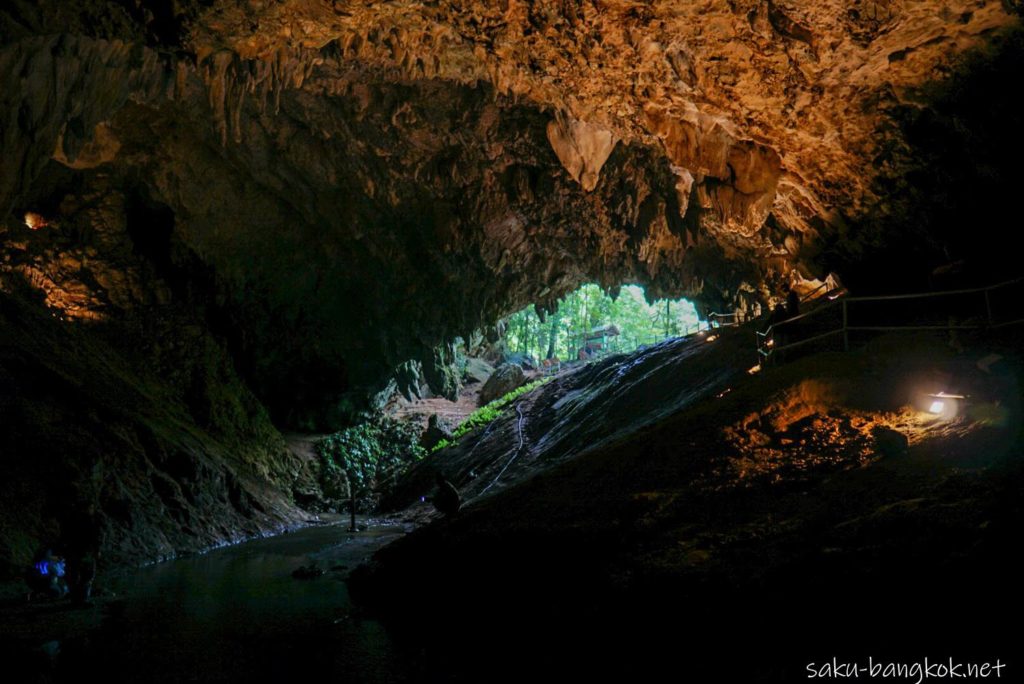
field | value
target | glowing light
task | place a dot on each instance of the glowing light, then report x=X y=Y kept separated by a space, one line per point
x=754 y=369
x=943 y=405
x=770 y=342
x=35 y=221
x=712 y=338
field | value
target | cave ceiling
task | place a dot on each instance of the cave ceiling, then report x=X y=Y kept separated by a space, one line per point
x=350 y=185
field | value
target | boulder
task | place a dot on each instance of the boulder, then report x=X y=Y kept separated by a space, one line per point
x=438 y=366
x=525 y=361
x=477 y=370
x=888 y=442
x=506 y=378
x=437 y=429
x=408 y=379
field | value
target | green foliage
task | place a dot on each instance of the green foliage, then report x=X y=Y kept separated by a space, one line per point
x=482 y=416
x=639 y=322
x=360 y=456
x=488 y=412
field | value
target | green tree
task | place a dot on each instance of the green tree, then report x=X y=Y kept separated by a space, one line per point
x=555 y=317
x=639 y=321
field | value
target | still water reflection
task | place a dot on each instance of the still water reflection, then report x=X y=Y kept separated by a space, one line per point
x=238 y=614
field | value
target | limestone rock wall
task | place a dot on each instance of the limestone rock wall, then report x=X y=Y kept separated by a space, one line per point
x=117 y=403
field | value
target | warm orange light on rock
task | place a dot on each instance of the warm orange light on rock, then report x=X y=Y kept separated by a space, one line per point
x=35 y=221
x=67 y=298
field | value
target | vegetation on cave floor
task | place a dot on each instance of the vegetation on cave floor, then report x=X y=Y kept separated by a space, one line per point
x=561 y=333
x=356 y=461
x=363 y=459
x=489 y=412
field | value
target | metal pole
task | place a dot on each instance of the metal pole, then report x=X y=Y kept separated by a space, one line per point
x=846 y=334
x=988 y=307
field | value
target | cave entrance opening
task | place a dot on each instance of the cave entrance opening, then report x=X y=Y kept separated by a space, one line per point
x=591 y=322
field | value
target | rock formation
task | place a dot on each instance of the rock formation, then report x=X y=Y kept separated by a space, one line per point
x=506 y=377
x=438 y=429
x=327 y=193
x=114 y=394
x=332 y=163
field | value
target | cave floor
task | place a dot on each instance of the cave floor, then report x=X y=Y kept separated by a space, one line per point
x=454 y=412
x=233 y=614
x=419 y=410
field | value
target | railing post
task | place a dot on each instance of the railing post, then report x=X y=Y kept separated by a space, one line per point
x=846 y=333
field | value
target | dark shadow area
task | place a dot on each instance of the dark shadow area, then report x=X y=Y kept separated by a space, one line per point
x=951 y=203
x=638 y=558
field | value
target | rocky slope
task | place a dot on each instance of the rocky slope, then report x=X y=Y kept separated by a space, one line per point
x=610 y=400
x=811 y=512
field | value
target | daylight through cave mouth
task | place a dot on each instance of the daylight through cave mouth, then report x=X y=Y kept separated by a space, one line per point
x=589 y=321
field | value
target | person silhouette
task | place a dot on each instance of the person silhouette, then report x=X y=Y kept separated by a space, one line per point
x=447 y=500
x=792 y=303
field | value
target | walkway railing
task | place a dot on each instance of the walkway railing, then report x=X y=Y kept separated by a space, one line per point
x=724 y=320
x=982 y=308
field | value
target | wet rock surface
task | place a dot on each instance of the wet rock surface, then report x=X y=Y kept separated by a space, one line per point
x=581 y=409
